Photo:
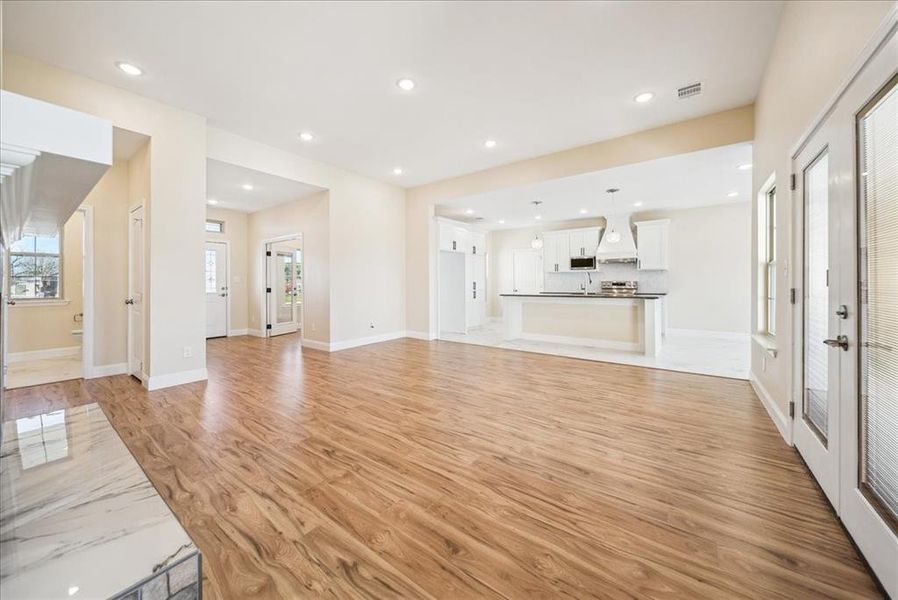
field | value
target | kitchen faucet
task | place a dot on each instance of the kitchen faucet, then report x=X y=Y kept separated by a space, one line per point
x=588 y=283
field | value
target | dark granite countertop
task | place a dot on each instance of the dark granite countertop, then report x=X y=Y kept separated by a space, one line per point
x=581 y=295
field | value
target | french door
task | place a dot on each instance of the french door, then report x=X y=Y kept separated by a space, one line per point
x=284 y=290
x=846 y=318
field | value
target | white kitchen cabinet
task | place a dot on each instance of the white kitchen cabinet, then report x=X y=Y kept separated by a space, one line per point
x=651 y=245
x=475 y=290
x=584 y=242
x=453 y=237
x=476 y=243
x=556 y=252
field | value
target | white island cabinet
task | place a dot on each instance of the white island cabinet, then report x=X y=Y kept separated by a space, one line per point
x=627 y=323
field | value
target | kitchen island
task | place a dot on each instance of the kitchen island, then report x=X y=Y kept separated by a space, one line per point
x=79 y=519
x=616 y=322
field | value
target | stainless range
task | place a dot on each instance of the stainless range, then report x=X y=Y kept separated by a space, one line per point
x=619 y=288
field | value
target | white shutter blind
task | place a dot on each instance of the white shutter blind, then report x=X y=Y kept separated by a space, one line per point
x=879 y=300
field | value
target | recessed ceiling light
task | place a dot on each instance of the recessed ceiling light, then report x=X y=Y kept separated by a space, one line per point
x=247 y=186
x=469 y=211
x=501 y=221
x=644 y=97
x=745 y=167
x=732 y=194
x=306 y=136
x=583 y=211
x=212 y=201
x=397 y=171
x=405 y=84
x=73 y=590
x=130 y=69
x=538 y=217
x=637 y=203
x=489 y=144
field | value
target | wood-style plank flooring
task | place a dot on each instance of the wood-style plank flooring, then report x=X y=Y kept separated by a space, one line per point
x=442 y=470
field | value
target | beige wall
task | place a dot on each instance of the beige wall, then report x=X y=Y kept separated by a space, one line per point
x=175 y=209
x=365 y=231
x=307 y=216
x=816 y=46
x=235 y=230
x=719 y=129
x=36 y=326
x=709 y=279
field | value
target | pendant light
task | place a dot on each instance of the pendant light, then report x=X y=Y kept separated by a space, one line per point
x=536 y=243
x=612 y=237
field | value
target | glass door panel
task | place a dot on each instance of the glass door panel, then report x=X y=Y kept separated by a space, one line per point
x=878 y=287
x=816 y=305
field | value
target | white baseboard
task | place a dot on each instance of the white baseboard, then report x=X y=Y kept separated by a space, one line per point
x=316 y=345
x=776 y=414
x=234 y=332
x=707 y=333
x=373 y=339
x=106 y=370
x=420 y=335
x=255 y=332
x=66 y=352
x=157 y=382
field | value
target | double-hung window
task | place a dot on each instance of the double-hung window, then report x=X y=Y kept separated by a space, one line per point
x=35 y=267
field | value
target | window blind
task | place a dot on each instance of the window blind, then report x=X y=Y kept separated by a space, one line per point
x=878 y=270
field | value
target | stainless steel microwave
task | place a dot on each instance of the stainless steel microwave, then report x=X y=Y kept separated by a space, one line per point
x=583 y=263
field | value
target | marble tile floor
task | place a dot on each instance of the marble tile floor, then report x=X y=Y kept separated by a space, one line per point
x=718 y=355
x=37 y=372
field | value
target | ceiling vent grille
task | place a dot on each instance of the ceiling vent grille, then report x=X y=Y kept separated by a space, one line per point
x=688 y=91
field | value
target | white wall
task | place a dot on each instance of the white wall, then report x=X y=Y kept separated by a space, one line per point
x=816 y=46
x=366 y=225
x=175 y=208
x=308 y=216
x=709 y=279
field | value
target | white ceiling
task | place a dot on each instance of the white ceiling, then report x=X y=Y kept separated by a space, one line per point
x=224 y=183
x=689 y=180
x=538 y=77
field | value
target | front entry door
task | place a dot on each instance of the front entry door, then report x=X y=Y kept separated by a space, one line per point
x=216 y=278
x=846 y=275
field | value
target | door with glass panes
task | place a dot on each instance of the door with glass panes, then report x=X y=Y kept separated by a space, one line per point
x=846 y=317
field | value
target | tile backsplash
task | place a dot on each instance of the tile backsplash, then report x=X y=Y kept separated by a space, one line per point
x=652 y=282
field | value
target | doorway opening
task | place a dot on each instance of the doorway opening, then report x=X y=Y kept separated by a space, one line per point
x=49 y=274
x=284 y=285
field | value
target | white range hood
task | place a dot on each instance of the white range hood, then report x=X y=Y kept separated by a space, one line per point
x=617 y=243
x=50 y=159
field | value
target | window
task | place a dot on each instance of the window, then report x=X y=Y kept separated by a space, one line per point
x=214 y=226
x=211 y=272
x=770 y=261
x=35 y=267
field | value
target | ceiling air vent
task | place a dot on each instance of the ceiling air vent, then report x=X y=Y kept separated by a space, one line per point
x=688 y=91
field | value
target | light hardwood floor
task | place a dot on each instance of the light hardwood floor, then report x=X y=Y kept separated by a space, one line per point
x=415 y=469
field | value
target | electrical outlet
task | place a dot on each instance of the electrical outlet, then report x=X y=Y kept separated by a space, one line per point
x=188 y=351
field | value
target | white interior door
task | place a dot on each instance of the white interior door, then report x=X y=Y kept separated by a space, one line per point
x=135 y=300
x=216 y=280
x=528 y=271
x=283 y=294
x=847 y=319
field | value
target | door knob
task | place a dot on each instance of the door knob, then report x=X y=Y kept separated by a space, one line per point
x=842 y=312
x=129 y=301
x=841 y=341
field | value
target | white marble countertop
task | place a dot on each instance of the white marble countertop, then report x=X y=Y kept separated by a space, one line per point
x=78 y=517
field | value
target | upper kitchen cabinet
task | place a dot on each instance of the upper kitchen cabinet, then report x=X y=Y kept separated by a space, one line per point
x=583 y=242
x=477 y=242
x=651 y=244
x=453 y=237
x=557 y=251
